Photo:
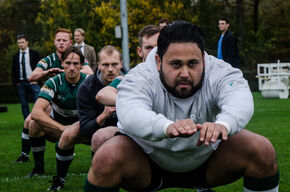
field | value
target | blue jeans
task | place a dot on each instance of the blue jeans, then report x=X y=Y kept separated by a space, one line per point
x=24 y=88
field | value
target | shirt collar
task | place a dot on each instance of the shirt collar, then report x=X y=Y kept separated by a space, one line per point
x=82 y=44
x=26 y=51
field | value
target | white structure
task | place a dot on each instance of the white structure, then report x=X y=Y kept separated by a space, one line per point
x=274 y=79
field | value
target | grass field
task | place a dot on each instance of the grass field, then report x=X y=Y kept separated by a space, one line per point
x=271 y=119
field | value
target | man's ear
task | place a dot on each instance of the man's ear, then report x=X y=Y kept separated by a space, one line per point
x=139 y=51
x=158 y=61
x=70 y=42
x=62 y=64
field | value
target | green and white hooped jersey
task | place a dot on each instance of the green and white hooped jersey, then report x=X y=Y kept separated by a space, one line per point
x=52 y=61
x=63 y=98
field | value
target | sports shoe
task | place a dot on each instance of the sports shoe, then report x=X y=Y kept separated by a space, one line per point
x=57 y=183
x=36 y=172
x=22 y=158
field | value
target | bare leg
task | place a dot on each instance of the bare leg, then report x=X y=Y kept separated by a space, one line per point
x=244 y=154
x=101 y=136
x=70 y=136
x=120 y=161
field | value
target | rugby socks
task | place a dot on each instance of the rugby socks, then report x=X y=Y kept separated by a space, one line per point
x=92 y=188
x=63 y=160
x=270 y=184
x=38 y=148
x=25 y=143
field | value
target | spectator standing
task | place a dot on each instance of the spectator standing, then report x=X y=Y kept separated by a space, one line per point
x=227 y=44
x=87 y=50
x=24 y=62
x=163 y=22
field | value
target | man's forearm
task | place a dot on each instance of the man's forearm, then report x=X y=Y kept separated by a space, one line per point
x=44 y=120
x=87 y=70
x=36 y=76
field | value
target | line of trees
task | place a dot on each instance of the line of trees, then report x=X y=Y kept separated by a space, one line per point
x=262 y=26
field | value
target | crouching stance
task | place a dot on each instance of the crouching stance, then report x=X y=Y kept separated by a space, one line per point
x=60 y=92
x=181 y=117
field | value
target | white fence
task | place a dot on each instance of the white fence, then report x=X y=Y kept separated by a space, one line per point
x=274 y=79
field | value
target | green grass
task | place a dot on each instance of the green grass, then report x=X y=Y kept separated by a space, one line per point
x=271 y=119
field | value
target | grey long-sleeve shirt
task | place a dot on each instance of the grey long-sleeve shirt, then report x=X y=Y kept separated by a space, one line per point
x=144 y=107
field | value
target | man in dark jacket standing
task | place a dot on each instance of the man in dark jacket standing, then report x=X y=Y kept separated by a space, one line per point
x=24 y=62
x=227 y=44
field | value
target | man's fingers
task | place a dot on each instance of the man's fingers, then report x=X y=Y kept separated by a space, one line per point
x=198 y=126
x=216 y=135
x=209 y=133
x=171 y=131
x=202 y=133
x=224 y=135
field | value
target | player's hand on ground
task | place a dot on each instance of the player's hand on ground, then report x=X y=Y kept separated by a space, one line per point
x=210 y=132
x=181 y=128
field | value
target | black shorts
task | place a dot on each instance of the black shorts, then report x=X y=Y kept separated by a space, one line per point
x=162 y=178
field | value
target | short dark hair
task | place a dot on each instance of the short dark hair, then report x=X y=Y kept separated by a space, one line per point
x=22 y=36
x=76 y=50
x=224 y=19
x=148 y=31
x=179 y=32
x=164 y=20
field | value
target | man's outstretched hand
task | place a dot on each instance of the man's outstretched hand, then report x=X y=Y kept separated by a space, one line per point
x=209 y=132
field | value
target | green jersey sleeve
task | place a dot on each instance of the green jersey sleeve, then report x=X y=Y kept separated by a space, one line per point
x=48 y=90
x=43 y=64
x=115 y=82
x=86 y=62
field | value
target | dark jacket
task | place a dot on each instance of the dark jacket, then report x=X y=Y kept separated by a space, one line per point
x=230 y=49
x=34 y=57
x=89 y=109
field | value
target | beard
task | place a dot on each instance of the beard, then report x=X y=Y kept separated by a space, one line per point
x=182 y=93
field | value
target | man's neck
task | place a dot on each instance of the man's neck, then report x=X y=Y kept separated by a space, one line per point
x=81 y=43
x=59 y=55
x=223 y=32
x=73 y=80
x=24 y=50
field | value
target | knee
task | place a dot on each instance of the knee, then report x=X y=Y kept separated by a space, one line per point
x=33 y=128
x=263 y=155
x=100 y=137
x=27 y=121
x=66 y=140
x=106 y=161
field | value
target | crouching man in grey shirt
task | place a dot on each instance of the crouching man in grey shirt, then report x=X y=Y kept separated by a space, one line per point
x=181 y=118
